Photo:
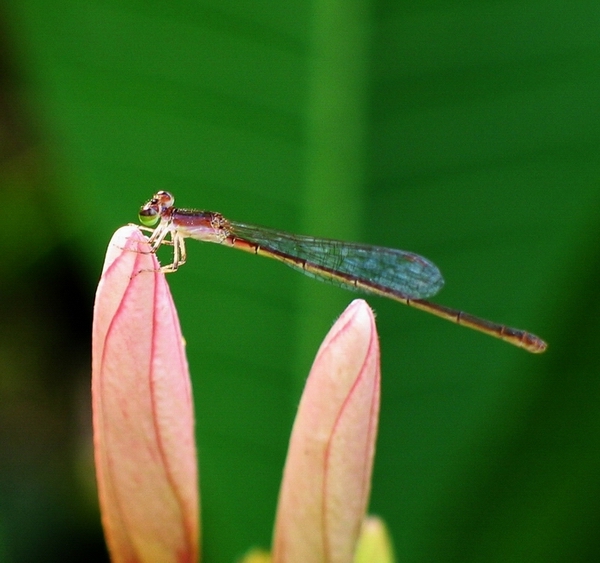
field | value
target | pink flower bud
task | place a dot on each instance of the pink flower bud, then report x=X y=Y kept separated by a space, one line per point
x=142 y=411
x=327 y=476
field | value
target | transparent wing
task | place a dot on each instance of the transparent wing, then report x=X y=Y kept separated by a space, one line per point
x=403 y=272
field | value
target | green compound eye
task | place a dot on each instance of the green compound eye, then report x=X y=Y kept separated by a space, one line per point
x=148 y=216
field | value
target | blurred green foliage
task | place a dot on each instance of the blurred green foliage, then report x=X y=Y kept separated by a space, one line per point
x=465 y=131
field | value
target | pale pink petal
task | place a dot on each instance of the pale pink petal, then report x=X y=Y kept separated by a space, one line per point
x=327 y=477
x=142 y=411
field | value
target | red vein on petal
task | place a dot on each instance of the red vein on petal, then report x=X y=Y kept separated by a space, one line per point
x=373 y=420
x=159 y=438
x=109 y=460
x=327 y=455
x=191 y=525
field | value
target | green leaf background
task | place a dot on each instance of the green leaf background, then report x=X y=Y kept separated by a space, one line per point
x=467 y=131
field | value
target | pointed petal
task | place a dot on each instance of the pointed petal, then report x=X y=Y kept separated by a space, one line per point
x=327 y=477
x=374 y=544
x=256 y=556
x=142 y=411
